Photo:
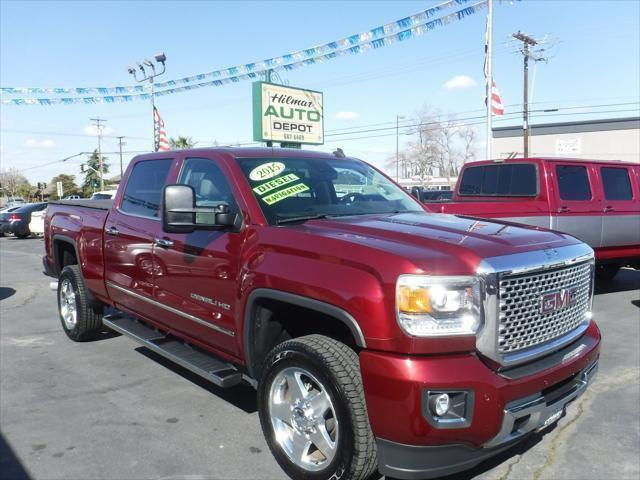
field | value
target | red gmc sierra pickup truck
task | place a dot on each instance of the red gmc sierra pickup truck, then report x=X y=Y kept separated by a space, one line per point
x=378 y=335
x=596 y=201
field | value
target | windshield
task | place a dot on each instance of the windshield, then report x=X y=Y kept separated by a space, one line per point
x=290 y=188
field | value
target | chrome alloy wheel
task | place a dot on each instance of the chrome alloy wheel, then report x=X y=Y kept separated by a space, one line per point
x=68 y=307
x=304 y=420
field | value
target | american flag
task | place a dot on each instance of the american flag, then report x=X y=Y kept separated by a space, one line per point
x=160 y=134
x=496 y=102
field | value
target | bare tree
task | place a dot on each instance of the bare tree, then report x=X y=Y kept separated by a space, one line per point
x=440 y=146
x=468 y=136
x=11 y=180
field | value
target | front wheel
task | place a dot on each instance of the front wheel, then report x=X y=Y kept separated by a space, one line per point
x=312 y=410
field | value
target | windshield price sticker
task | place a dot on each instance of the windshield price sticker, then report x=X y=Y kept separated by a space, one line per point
x=266 y=171
x=275 y=183
x=285 y=193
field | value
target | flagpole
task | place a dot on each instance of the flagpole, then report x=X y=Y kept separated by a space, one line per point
x=153 y=115
x=489 y=76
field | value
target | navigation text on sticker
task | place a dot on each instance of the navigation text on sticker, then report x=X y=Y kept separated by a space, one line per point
x=275 y=183
x=285 y=193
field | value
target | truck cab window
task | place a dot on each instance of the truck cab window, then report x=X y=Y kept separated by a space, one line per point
x=616 y=183
x=507 y=180
x=144 y=189
x=209 y=183
x=573 y=182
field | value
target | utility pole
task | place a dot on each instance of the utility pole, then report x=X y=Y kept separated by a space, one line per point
x=120 y=143
x=98 y=123
x=527 y=43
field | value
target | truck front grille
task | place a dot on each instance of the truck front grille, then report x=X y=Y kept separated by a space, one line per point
x=522 y=323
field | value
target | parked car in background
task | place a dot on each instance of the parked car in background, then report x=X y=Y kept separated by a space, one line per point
x=36 y=225
x=431 y=196
x=17 y=222
x=104 y=195
x=4 y=214
x=15 y=202
x=72 y=197
x=595 y=201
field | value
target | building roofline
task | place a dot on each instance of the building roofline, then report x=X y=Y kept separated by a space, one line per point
x=627 y=123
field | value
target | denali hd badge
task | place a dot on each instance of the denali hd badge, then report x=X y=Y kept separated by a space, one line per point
x=552 y=301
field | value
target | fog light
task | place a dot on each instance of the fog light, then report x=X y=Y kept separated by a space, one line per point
x=448 y=409
x=440 y=405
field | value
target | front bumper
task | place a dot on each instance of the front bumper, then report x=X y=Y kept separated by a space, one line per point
x=507 y=405
x=520 y=419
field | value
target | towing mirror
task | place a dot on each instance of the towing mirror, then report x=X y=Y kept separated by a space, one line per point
x=180 y=214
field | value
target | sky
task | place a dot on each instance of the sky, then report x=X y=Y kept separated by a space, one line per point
x=593 y=70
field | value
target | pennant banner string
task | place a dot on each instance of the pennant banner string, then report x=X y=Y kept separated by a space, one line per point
x=361 y=46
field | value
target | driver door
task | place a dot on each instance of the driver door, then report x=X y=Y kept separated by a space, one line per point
x=197 y=272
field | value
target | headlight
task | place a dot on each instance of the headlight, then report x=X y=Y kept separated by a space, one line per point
x=431 y=306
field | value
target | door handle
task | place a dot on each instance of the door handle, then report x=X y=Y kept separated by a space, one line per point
x=163 y=242
x=112 y=231
x=563 y=209
x=608 y=209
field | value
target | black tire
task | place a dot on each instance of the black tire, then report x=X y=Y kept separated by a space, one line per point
x=336 y=366
x=88 y=322
x=23 y=235
x=607 y=271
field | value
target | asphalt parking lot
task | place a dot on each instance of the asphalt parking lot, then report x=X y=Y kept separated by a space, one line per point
x=112 y=410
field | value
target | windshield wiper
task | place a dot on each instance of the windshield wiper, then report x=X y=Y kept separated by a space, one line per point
x=301 y=218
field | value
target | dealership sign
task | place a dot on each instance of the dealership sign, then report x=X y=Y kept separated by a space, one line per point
x=286 y=114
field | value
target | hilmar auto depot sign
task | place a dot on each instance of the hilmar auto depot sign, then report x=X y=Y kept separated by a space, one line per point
x=286 y=114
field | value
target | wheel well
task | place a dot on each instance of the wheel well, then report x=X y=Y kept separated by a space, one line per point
x=64 y=254
x=274 y=321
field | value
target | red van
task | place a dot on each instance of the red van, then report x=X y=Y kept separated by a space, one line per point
x=595 y=201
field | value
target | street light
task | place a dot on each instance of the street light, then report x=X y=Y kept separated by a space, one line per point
x=398 y=118
x=160 y=58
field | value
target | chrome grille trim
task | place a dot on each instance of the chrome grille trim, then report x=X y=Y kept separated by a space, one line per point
x=493 y=270
x=522 y=325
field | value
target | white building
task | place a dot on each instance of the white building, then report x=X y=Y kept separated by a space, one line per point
x=611 y=139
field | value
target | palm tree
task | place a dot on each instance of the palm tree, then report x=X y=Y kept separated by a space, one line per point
x=181 y=142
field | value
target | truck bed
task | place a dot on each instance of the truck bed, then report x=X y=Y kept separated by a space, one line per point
x=79 y=225
x=96 y=204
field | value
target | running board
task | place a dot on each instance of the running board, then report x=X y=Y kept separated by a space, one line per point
x=216 y=371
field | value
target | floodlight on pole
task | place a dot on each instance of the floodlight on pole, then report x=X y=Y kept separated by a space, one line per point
x=160 y=58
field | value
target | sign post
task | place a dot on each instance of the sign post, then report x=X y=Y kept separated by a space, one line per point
x=291 y=116
x=60 y=189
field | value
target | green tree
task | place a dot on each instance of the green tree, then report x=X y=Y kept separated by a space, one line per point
x=91 y=181
x=68 y=185
x=26 y=191
x=181 y=142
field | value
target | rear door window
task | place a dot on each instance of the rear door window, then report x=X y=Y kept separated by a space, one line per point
x=507 y=180
x=573 y=182
x=144 y=188
x=616 y=184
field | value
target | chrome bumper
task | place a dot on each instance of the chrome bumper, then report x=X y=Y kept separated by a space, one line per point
x=539 y=411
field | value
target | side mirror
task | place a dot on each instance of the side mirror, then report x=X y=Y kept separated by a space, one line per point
x=180 y=214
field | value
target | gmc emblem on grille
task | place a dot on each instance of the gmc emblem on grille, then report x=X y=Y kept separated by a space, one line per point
x=552 y=301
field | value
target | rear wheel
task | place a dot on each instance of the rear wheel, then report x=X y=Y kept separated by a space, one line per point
x=81 y=320
x=313 y=412
x=607 y=271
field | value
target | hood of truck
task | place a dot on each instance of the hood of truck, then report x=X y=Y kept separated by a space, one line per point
x=434 y=241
